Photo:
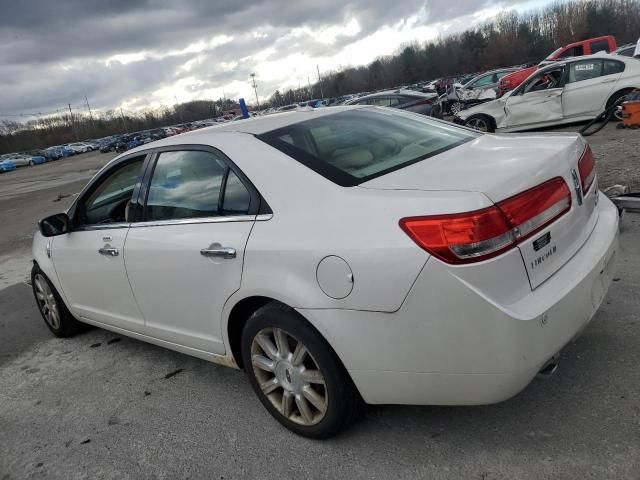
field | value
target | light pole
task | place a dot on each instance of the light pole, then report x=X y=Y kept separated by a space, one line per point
x=255 y=88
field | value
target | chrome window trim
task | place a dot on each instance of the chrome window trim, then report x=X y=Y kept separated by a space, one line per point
x=105 y=226
x=179 y=221
x=196 y=221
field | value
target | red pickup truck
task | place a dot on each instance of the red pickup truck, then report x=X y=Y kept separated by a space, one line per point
x=577 y=49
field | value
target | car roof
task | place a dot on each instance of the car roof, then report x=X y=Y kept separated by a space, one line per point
x=253 y=125
x=598 y=55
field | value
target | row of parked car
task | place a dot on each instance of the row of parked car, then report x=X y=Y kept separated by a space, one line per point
x=579 y=81
x=115 y=143
x=574 y=83
x=11 y=161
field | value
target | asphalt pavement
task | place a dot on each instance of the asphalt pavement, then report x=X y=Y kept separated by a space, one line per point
x=100 y=405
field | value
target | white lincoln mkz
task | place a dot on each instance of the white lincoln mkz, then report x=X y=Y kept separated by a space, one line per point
x=340 y=255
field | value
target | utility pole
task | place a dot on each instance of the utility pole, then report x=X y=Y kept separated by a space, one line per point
x=73 y=126
x=255 y=88
x=179 y=111
x=320 y=82
x=124 y=123
x=93 y=125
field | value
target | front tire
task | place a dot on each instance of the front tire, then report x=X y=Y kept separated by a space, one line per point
x=482 y=123
x=296 y=375
x=456 y=108
x=53 y=310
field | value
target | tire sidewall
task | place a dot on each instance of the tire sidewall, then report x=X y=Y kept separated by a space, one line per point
x=68 y=324
x=337 y=382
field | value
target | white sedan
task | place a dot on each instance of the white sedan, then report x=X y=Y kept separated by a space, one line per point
x=80 y=147
x=574 y=90
x=340 y=255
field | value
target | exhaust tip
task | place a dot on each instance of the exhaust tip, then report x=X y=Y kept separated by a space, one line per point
x=548 y=369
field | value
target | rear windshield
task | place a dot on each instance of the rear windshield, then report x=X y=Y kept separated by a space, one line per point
x=357 y=145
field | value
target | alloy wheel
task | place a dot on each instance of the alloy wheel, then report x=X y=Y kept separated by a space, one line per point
x=289 y=376
x=456 y=107
x=47 y=302
x=478 y=124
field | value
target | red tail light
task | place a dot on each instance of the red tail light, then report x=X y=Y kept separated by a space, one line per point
x=474 y=236
x=587 y=169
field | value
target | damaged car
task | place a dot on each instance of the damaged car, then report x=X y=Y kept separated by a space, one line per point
x=574 y=90
x=480 y=89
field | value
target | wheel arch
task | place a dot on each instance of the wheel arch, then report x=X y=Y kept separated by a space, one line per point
x=247 y=306
x=237 y=319
x=618 y=93
x=489 y=118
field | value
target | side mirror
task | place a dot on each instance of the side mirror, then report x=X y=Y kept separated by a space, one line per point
x=57 y=224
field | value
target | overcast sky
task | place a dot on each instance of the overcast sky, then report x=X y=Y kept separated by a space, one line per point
x=139 y=54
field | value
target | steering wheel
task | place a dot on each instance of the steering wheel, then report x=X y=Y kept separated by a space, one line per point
x=385 y=146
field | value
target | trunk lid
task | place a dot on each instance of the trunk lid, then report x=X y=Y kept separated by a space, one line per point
x=501 y=166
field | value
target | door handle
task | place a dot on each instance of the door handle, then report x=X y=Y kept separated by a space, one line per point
x=611 y=80
x=109 y=251
x=224 y=252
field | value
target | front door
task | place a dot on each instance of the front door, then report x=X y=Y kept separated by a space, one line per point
x=538 y=100
x=89 y=260
x=184 y=260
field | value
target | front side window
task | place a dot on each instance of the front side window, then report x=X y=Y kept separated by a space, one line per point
x=109 y=201
x=483 y=81
x=354 y=146
x=544 y=81
x=584 y=70
x=190 y=184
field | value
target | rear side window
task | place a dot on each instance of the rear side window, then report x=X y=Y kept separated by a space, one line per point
x=584 y=70
x=357 y=145
x=191 y=184
x=599 y=46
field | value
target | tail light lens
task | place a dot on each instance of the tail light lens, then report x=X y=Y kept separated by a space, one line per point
x=587 y=169
x=474 y=236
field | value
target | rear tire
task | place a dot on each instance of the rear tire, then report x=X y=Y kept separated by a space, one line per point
x=614 y=98
x=482 y=123
x=296 y=374
x=53 y=310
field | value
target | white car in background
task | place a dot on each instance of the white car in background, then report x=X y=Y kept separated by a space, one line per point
x=573 y=90
x=80 y=147
x=340 y=255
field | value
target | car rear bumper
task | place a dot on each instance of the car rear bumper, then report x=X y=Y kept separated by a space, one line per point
x=451 y=344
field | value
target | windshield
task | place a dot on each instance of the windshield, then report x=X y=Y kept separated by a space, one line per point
x=354 y=146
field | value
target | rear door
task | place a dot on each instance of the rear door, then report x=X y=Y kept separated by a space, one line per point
x=185 y=258
x=589 y=84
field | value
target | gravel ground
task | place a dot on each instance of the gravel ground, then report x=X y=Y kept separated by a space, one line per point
x=103 y=406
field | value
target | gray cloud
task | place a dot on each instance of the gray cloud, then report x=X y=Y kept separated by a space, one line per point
x=53 y=52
